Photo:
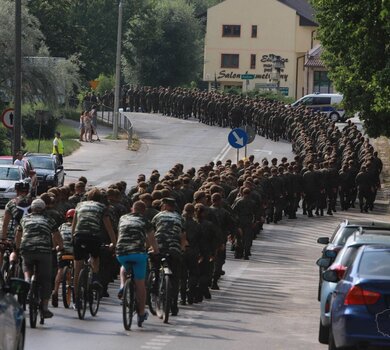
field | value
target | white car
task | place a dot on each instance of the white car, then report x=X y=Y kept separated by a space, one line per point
x=9 y=175
x=327 y=104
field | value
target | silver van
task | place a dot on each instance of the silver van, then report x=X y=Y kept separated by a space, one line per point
x=328 y=104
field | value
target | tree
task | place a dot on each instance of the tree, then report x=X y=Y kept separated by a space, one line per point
x=44 y=78
x=201 y=6
x=87 y=29
x=356 y=37
x=163 y=45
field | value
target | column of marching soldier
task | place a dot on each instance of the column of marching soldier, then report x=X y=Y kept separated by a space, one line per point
x=224 y=202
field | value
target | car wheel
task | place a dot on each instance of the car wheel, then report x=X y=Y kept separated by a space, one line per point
x=332 y=345
x=334 y=117
x=323 y=334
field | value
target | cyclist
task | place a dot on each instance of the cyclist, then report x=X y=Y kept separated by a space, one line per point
x=34 y=238
x=66 y=234
x=15 y=209
x=90 y=220
x=171 y=239
x=135 y=234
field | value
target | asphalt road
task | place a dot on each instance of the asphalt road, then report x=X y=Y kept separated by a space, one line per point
x=268 y=302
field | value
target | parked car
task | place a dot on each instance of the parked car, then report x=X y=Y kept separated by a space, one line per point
x=8 y=160
x=324 y=103
x=49 y=172
x=12 y=318
x=360 y=306
x=343 y=260
x=9 y=175
x=340 y=236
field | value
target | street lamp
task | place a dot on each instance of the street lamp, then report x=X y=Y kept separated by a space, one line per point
x=117 y=73
x=17 y=129
x=277 y=66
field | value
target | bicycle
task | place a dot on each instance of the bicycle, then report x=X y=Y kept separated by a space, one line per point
x=11 y=269
x=159 y=289
x=67 y=281
x=129 y=302
x=35 y=302
x=86 y=292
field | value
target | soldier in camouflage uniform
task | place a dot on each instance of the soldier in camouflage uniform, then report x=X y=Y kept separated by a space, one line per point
x=35 y=237
x=171 y=239
x=135 y=235
x=90 y=220
x=66 y=234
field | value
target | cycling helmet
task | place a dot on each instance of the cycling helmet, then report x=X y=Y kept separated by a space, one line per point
x=70 y=213
x=22 y=186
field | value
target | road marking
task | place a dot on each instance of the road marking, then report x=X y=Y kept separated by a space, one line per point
x=263 y=150
x=222 y=154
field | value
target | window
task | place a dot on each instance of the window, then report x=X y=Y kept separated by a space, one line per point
x=322 y=84
x=254 y=31
x=321 y=101
x=231 y=30
x=253 y=61
x=230 y=60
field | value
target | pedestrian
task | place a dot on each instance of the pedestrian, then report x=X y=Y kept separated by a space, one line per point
x=58 y=147
x=82 y=126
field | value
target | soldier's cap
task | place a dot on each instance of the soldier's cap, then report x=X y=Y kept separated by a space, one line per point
x=38 y=205
x=169 y=201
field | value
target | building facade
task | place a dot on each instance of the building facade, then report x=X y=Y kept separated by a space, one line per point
x=244 y=37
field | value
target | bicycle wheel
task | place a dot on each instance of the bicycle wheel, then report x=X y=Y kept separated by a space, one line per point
x=82 y=293
x=160 y=296
x=166 y=300
x=128 y=304
x=33 y=305
x=67 y=287
x=151 y=292
x=94 y=300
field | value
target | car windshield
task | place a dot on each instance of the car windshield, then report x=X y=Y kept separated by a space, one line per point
x=342 y=236
x=42 y=163
x=6 y=161
x=375 y=263
x=11 y=174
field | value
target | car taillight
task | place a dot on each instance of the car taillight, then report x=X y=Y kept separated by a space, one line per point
x=359 y=296
x=340 y=270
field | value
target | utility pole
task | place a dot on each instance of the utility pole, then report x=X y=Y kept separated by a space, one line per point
x=18 y=79
x=117 y=73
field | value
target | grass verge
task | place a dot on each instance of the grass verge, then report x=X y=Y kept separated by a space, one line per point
x=68 y=134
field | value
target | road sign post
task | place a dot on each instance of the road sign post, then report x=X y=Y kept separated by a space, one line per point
x=8 y=118
x=238 y=138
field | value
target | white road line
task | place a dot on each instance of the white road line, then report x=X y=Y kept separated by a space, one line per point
x=263 y=150
x=222 y=154
x=166 y=336
x=151 y=347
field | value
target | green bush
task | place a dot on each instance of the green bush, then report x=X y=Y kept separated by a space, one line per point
x=4 y=141
x=30 y=122
x=105 y=83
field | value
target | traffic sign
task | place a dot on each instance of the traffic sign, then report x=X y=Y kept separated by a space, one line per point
x=238 y=138
x=7 y=118
x=247 y=76
x=250 y=132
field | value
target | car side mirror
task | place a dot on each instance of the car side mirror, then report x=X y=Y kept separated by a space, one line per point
x=18 y=286
x=323 y=240
x=324 y=262
x=330 y=276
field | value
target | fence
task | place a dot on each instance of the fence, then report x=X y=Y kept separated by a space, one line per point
x=106 y=115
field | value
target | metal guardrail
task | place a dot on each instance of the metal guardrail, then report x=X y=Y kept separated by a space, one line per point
x=106 y=115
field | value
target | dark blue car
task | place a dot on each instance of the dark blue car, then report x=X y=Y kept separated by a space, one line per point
x=360 y=311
